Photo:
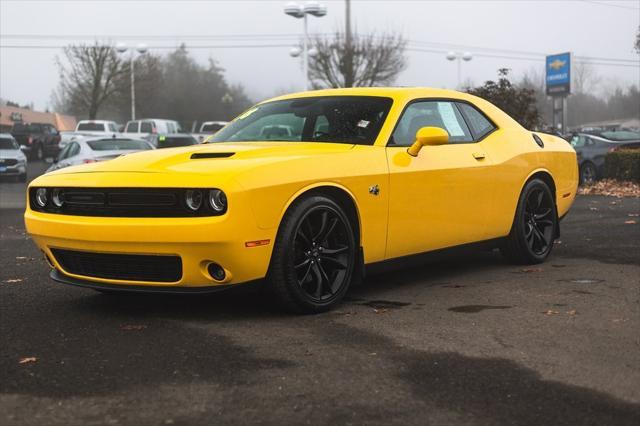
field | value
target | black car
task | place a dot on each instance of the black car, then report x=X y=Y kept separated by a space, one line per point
x=174 y=140
x=592 y=149
x=40 y=140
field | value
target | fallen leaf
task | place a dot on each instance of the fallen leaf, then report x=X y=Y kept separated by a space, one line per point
x=380 y=310
x=550 y=312
x=612 y=188
x=629 y=222
x=594 y=209
x=20 y=257
x=13 y=280
x=557 y=242
x=133 y=327
x=528 y=270
x=572 y=312
x=27 y=360
x=633 y=214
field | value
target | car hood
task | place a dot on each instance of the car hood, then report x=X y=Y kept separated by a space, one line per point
x=11 y=153
x=224 y=160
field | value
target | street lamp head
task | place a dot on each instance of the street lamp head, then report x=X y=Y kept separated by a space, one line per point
x=294 y=9
x=121 y=47
x=466 y=56
x=312 y=52
x=451 y=56
x=294 y=52
x=142 y=48
x=315 y=8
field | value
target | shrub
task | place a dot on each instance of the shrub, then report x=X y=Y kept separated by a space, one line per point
x=623 y=165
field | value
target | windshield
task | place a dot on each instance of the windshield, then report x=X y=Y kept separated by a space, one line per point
x=118 y=145
x=91 y=127
x=7 y=143
x=621 y=135
x=332 y=119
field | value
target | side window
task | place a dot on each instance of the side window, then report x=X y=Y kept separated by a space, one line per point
x=320 y=127
x=480 y=125
x=112 y=127
x=578 y=141
x=74 y=149
x=132 y=127
x=64 y=153
x=441 y=114
x=590 y=142
x=145 y=127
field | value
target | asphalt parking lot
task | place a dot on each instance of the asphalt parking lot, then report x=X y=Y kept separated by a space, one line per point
x=462 y=340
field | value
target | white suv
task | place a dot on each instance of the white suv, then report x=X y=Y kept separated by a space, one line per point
x=150 y=128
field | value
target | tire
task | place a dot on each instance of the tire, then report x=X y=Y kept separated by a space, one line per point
x=534 y=225
x=588 y=174
x=314 y=258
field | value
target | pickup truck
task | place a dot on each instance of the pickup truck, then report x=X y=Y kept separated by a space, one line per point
x=87 y=128
x=209 y=128
x=37 y=140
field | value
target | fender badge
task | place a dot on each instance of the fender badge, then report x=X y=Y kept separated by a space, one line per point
x=374 y=190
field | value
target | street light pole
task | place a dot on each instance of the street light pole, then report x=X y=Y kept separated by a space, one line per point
x=141 y=49
x=459 y=57
x=301 y=11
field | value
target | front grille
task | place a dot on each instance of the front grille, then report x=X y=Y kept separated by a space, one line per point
x=123 y=202
x=8 y=161
x=124 y=267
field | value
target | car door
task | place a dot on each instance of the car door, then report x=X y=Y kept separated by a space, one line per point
x=441 y=197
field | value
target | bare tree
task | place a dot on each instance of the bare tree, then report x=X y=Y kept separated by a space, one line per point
x=88 y=78
x=357 y=60
x=637 y=44
x=584 y=78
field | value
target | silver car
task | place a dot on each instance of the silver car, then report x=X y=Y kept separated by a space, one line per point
x=82 y=151
x=13 y=162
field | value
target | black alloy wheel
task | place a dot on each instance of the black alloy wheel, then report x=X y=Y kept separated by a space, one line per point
x=534 y=227
x=538 y=224
x=314 y=258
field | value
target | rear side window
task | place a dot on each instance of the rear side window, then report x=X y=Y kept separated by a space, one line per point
x=91 y=127
x=74 y=149
x=132 y=127
x=480 y=125
x=440 y=114
x=145 y=127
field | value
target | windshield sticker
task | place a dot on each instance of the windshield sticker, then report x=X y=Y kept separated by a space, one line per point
x=449 y=119
x=248 y=113
x=363 y=123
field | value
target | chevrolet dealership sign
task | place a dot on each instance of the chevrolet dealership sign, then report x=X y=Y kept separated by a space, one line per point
x=558 y=74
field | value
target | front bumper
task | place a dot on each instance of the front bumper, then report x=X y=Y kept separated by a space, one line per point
x=16 y=170
x=198 y=241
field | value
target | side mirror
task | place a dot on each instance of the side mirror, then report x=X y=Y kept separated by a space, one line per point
x=428 y=136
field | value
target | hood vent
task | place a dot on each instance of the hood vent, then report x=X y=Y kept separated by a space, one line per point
x=198 y=155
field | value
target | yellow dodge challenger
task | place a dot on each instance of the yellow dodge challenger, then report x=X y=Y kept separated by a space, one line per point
x=304 y=193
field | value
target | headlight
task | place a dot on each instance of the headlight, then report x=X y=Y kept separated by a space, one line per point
x=41 y=197
x=57 y=197
x=193 y=199
x=217 y=200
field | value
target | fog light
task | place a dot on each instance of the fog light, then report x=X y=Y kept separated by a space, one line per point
x=41 y=197
x=216 y=271
x=217 y=200
x=57 y=197
x=193 y=198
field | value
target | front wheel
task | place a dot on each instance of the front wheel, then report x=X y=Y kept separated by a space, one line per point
x=314 y=257
x=534 y=226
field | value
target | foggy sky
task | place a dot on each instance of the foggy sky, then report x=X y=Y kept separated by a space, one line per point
x=586 y=28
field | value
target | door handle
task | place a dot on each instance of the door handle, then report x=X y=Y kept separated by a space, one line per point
x=478 y=155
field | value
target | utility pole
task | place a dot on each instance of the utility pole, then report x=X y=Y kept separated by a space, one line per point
x=348 y=59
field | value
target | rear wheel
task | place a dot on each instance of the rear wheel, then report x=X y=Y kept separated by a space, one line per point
x=314 y=257
x=588 y=174
x=534 y=226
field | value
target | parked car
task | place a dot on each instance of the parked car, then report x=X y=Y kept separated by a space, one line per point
x=40 y=140
x=209 y=128
x=593 y=148
x=94 y=150
x=149 y=129
x=13 y=162
x=396 y=172
x=175 y=140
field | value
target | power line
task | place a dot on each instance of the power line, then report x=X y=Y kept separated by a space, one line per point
x=609 y=4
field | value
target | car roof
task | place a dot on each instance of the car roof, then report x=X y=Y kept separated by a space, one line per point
x=89 y=139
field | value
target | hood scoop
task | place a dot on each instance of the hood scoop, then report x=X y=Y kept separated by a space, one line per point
x=199 y=155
